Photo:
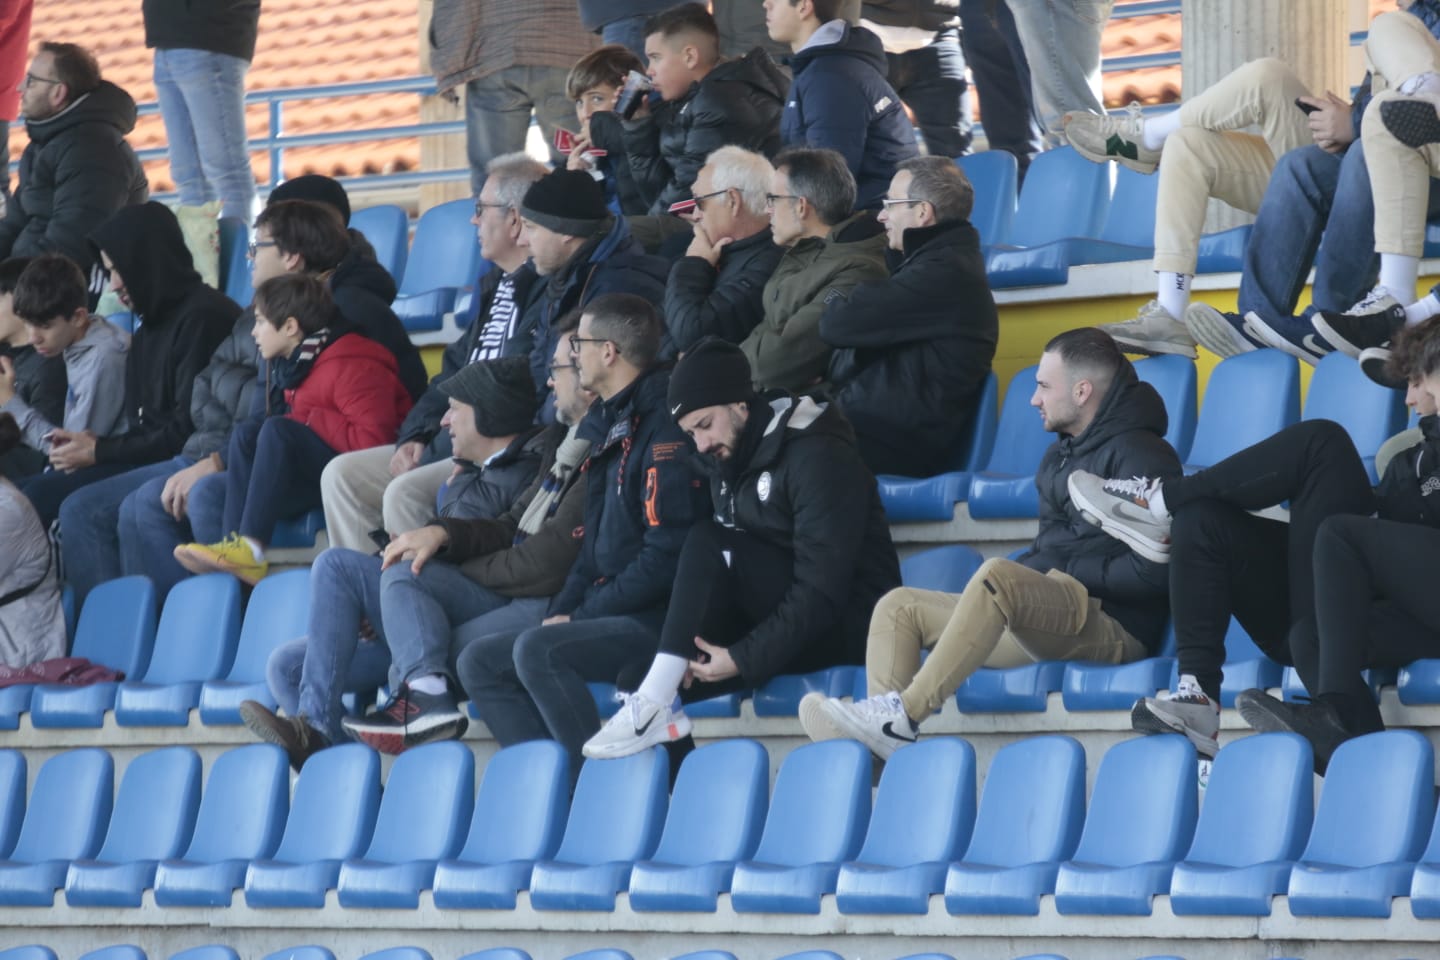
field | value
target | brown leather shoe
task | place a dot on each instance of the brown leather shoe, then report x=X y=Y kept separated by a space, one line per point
x=294 y=735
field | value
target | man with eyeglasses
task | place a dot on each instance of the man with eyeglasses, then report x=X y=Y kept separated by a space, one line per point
x=77 y=169
x=912 y=351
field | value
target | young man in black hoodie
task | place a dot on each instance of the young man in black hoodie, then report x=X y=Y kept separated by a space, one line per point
x=1071 y=596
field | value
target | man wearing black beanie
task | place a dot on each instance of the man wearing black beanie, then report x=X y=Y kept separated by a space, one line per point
x=784 y=574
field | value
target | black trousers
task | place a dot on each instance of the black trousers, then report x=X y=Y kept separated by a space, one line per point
x=1225 y=561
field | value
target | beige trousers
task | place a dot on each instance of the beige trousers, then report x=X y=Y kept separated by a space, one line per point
x=360 y=496
x=1398 y=48
x=1008 y=615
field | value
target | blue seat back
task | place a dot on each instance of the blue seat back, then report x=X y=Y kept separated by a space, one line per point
x=1064 y=195
x=1020 y=439
x=1370 y=413
x=1142 y=808
x=117 y=625
x=725 y=786
x=198 y=630
x=1238 y=645
x=1259 y=803
x=903 y=832
x=302 y=953
x=813 y=955
x=155 y=808
x=1248 y=398
x=387 y=227
x=426 y=805
x=1377 y=803
x=319 y=828
x=601 y=954
x=974 y=449
x=398 y=953
x=819 y=807
x=235 y=260
x=242 y=812
x=444 y=252
x=994 y=175
x=1131 y=218
x=213 y=951
x=520 y=809
x=618 y=809
x=696 y=955
x=948 y=568
x=12 y=798
x=69 y=807
x=1174 y=379
x=278 y=612
x=498 y=953
x=122 y=952
x=31 y=952
x=1033 y=804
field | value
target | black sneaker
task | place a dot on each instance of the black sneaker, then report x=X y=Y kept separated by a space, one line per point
x=1317 y=722
x=294 y=735
x=1353 y=335
x=1411 y=120
x=412 y=718
x=1375 y=364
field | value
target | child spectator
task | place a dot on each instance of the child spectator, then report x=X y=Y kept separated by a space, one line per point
x=38 y=381
x=594 y=84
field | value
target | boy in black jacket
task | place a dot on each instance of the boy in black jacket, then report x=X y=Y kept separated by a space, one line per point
x=38 y=381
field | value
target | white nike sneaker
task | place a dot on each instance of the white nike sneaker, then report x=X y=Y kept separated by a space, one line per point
x=1124 y=509
x=638 y=724
x=879 y=722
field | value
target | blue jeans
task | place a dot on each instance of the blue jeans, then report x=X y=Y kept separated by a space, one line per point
x=628 y=32
x=497 y=114
x=931 y=81
x=996 y=59
x=344 y=589
x=149 y=535
x=202 y=100
x=1062 y=46
x=285 y=670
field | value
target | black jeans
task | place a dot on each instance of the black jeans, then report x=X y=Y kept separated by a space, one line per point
x=1002 y=79
x=272 y=471
x=1376 y=605
x=1225 y=561
x=931 y=81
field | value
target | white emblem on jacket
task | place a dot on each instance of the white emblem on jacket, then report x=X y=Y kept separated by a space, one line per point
x=762 y=486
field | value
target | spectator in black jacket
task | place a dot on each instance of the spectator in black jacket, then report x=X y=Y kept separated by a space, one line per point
x=717 y=288
x=912 y=352
x=594 y=85
x=1071 y=596
x=77 y=169
x=38 y=381
x=927 y=67
x=783 y=576
x=180 y=322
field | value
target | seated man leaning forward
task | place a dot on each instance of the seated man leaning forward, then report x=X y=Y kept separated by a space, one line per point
x=1069 y=597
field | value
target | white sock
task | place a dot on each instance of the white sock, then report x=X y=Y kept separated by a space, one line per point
x=1156 y=129
x=663 y=679
x=1422 y=309
x=1173 y=292
x=1421 y=83
x=431 y=684
x=256 y=550
x=1157 y=502
x=1398 y=275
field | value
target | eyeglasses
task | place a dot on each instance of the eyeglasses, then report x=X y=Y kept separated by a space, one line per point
x=888 y=203
x=770 y=198
x=556 y=367
x=255 y=246
x=481 y=206
x=708 y=196
x=31 y=79
x=576 y=340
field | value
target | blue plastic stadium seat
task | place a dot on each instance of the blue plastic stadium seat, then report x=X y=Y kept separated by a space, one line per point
x=615 y=819
x=1291 y=689
x=12 y=799
x=782 y=695
x=302 y=953
x=66 y=818
x=1223 y=252
x=235 y=261
x=387 y=227
x=242 y=814
x=1424 y=886
x=909 y=500
x=1375 y=810
x=124 y=952
x=117 y=629
x=1104 y=686
x=331 y=819
x=603 y=954
x=1370 y=413
x=1258 y=809
x=818 y=814
x=32 y=952
x=928 y=956
x=299 y=532
x=607 y=700
x=725 y=705
x=212 y=951
x=696 y=955
x=725 y=786
x=1249 y=397
x=67 y=606
x=1246 y=666
x=1064 y=195
x=195 y=642
x=444 y=258
x=812 y=955
x=1419 y=683
x=994 y=174
x=948 y=568
x=1129 y=231
x=1174 y=378
x=398 y=953
x=424 y=812
x=152 y=820
x=498 y=953
x=910 y=845
x=1030 y=816
x=1006 y=487
x=1141 y=821
x=1024 y=689
x=278 y=612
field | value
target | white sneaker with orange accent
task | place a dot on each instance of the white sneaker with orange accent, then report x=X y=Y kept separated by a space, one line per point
x=638 y=724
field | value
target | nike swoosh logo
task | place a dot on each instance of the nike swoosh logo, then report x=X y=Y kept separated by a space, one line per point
x=888 y=730
x=640 y=731
x=1315 y=346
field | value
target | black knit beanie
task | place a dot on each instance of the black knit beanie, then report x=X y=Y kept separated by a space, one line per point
x=568 y=202
x=712 y=372
x=317 y=189
x=502 y=393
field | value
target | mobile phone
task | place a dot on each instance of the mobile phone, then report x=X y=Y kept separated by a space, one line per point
x=1306 y=108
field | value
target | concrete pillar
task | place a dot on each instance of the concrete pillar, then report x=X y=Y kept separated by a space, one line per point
x=444 y=152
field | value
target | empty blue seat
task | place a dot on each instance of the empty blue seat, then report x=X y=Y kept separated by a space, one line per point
x=911 y=500
x=603 y=954
x=817 y=818
x=235 y=260
x=1223 y=252
x=948 y=568
x=195 y=642
x=1370 y=413
x=298 y=532
x=444 y=257
x=1419 y=683
x=152 y=820
x=1030 y=817
x=278 y=612
x=242 y=814
x=1425 y=885
x=1246 y=666
x=1292 y=689
x=781 y=696
x=1104 y=686
x=1249 y=397
x=994 y=175
x=33 y=952
x=725 y=786
x=518 y=818
x=424 y=812
x=1129 y=231
x=1375 y=811
x=116 y=629
x=615 y=819
x=213 y=951
x=387 y=228
x=1258 y=808
x=1006 y=487
x=1064 y=195
x=911 y=842
x=1173 y=377
x=302 y=953
x=331 y=819
x=813 y=955
x=725 y=705
x=66 y=818
x=398 y=953
x=1141 y=820
x=124 y=952
x=498 y=953
x=1024 y=689
x=696 y=955
x=12 y=798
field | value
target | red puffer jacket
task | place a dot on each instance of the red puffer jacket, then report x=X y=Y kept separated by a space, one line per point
x=353 y=397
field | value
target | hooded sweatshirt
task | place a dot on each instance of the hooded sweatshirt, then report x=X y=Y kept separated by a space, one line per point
x=363 y=291
x=95 y=390
x=181 y=322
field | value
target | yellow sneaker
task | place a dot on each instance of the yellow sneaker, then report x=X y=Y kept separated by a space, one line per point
x=231 y=555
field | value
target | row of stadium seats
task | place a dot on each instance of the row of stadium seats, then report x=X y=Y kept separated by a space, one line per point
x=219 y=952
x=1258 y=835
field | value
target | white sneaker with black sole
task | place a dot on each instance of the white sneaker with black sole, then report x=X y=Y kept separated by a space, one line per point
x=1187 y=711
x=640 y=723
x=1122 y=508
x=879 y=722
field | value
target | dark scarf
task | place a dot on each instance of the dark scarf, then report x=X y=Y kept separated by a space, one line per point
x=292 y=371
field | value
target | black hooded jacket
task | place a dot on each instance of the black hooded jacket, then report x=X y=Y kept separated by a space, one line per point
x=363 y=291
x=76 y=171
x=1408 y=491
x=912 y=352
x=726 y=300
x=181 y=323
x=1126 y=439
x=922 y=14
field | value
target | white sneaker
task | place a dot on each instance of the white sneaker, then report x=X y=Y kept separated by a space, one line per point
x=879 y=722
x=815 y=719
x=1378 y=300
x=1153 y=331
x=638 y=724
x=1187 y=711
x=1124 y=509
x=1099 y=137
